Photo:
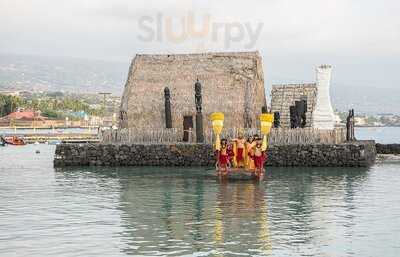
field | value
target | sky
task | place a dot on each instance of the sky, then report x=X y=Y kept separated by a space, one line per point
x=360 y=38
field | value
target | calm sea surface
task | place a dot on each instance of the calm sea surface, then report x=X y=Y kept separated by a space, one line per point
x=384 y=135
x=186 y=212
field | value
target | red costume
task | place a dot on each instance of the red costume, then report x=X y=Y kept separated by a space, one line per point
x=223 y=159
x=239 y=156
x=230 y=153
x=259 y=161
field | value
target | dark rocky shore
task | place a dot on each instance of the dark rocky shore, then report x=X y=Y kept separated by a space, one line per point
x=388 y=148
x=352 y=154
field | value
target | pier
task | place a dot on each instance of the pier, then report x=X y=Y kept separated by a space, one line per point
x=56 y=136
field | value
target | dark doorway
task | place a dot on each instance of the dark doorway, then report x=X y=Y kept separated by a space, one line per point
x=187 y=126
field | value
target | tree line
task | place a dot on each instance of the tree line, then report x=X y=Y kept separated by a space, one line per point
x=49 y=107
x=8 y=104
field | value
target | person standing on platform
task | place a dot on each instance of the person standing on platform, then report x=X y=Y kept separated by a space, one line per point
x=240 y=151
x=259 y=157
x=250 y=154
x=223 y=158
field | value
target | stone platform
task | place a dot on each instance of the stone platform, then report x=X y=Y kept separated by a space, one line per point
x=352 y=154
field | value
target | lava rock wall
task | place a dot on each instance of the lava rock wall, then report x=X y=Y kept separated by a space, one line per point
x=354 y=154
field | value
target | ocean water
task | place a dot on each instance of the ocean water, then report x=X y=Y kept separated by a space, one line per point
x=383 y=135
x=187 y=212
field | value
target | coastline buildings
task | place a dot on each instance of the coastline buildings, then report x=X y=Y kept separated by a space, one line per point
x=25 y=118
x=34 y=119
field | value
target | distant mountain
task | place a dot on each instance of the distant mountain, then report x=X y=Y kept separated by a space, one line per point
x=364 y=99
x=61 y=74
x=34 y=73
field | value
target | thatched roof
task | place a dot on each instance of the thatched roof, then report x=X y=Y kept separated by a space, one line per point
x=232 y=83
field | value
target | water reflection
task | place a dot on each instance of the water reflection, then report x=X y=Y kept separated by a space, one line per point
x=311 y=207
x=149 y=212
x=241 y=216
x=180 y=212
x=163 y=215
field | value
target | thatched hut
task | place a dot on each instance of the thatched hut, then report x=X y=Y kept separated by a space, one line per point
x=232 y=83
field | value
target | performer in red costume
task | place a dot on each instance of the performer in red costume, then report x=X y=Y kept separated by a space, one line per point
x=231 y=154
x=223 y=158
x=259 y=158
x=240 y=153
x=249 y=161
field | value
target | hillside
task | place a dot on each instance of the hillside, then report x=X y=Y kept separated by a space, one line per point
x=90 y=76
x=61 y=74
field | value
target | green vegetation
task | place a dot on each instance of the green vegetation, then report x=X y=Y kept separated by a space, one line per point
x=9 y=104
x=55 y=106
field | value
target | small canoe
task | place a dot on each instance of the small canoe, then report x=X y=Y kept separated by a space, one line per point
x=239 y=174
x=14 y=141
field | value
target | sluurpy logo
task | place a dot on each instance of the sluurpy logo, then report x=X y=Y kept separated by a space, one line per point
x=164 y=28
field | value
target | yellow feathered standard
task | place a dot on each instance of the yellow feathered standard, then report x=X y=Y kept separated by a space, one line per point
x=217 y=119
x=249 y=162
x=266 y=120
x=235 y=164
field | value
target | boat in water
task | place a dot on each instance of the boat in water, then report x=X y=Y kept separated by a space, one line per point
x=14 y=140
x=239 y=174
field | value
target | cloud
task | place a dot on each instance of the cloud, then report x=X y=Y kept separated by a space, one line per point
x=357 y=26
x=296 y=35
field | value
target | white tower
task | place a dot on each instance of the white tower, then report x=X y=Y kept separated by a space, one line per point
x=323 y=117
